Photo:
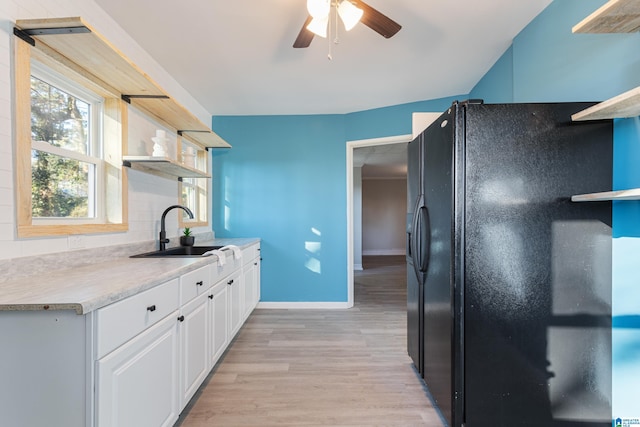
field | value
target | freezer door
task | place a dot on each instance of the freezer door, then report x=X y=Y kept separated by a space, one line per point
x=414 y=281
x=437 y=243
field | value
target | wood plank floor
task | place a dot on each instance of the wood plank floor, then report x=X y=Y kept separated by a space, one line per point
x=321 y=367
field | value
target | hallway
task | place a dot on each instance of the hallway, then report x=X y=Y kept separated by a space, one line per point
x=322 y=367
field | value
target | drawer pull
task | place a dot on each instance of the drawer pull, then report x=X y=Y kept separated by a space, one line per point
x=200 y=283
x=151 y=308
x=210 y=296
x=230 y=282
x=181 y=319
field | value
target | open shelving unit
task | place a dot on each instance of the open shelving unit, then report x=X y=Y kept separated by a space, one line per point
x=615 y=16
x=624 y=105
x=631 y=194
x=164 y=166
x=78 y=46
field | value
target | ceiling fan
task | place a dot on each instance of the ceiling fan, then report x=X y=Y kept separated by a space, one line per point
x=351 y=12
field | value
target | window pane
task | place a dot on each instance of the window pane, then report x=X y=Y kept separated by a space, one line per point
x=59 y=118
x=61 y=187
x=202 y=212
x=188 y=199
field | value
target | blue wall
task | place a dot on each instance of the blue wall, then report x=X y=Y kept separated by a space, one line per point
x=284 y=179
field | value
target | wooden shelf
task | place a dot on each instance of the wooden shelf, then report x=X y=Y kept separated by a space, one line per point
x=164 y=166
x=622 y=106
x=81 y=46
x=631 y=194
x=616 y=16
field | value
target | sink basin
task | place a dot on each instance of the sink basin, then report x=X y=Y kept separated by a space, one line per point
x=180 y=251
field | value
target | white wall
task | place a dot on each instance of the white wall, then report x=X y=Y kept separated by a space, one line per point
x=148 y=195
x=384 y=209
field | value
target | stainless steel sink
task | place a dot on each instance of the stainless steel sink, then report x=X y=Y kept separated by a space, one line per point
x=180 y=251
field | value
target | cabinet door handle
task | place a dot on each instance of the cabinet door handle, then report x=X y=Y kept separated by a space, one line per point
x=181 y=319
x=199 y=283
x=230 y=282
x=151 y=308
x=210 y=296
x=255 y=263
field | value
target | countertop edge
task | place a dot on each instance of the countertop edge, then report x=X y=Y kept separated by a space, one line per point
x=26 y=294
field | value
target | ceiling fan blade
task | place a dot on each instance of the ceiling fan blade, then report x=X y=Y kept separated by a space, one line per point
x=304 y=36
x=378 y=22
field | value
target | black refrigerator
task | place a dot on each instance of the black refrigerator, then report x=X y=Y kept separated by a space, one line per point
x=508 y=281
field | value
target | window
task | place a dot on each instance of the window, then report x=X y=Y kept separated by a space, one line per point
x=66 y=153
x=194 y=191
x=66 y=127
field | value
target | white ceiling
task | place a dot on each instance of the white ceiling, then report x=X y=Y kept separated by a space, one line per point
x=236 y=57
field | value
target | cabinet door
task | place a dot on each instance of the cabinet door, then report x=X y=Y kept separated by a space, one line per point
x=251 y=277
x=194 y=347
x=137 y=384
x=256 y=280
x=219 y=321
x=235 y=289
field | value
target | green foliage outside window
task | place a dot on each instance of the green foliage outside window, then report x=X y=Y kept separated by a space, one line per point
x=60 y=184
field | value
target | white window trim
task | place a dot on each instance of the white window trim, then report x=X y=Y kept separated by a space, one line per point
x=95 y=156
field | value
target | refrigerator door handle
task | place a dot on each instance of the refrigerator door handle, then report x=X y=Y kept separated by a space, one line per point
x=414 y=236
x=424 y=238
x=419 y=238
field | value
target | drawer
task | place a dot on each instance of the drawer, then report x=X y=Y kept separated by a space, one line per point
x=250 y=253
x=194 y=283
x=231 y=264
x=119 y=322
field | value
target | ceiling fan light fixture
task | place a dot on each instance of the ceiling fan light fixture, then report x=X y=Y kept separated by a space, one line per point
x=318 y=26
x=349 y=13
x=319 y=8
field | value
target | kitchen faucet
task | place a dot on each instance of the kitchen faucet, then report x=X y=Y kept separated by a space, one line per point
x=163 y=233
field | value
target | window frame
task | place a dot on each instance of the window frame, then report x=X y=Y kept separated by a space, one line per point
x=113 y=216
x=202 y=163
x=95 y=151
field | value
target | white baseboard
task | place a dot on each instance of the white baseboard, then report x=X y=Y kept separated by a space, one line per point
x=384 y=252
x=357 y=267
x=304 y=305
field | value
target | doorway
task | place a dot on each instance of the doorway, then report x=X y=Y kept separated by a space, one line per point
x=352 y=223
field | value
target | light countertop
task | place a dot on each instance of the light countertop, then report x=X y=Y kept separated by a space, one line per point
x=87 y=288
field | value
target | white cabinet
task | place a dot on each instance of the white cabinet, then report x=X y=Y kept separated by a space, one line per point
x=236 y=306
x=218 y=321
x=251 y=284
x=137 y=359
x=135 y=362
x=251 y=279
x=123 y=320
x=137 y=384
x=194 y=348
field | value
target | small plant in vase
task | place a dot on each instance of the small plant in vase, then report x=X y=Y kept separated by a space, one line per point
x=187 y=239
